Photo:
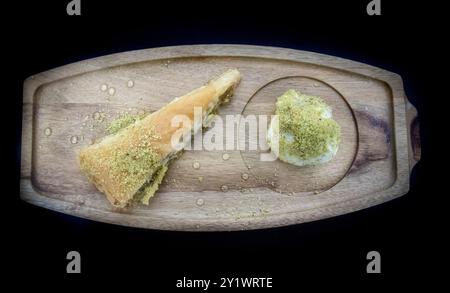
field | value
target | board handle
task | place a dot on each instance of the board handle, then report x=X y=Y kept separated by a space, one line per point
x=412 y=122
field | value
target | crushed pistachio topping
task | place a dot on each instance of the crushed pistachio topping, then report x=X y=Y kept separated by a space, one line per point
x=305 y=126
x=148 y=190
x=123 y=121
x=132 y=166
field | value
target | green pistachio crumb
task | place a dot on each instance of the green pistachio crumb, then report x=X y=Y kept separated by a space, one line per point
x=305 y=126
x=123 y=121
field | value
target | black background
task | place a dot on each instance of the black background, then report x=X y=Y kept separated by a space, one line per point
x=406 y=39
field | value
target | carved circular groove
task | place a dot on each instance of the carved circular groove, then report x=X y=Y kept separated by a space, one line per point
x=286 y=178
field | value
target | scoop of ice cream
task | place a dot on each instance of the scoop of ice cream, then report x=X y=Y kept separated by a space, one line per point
x=304 y=129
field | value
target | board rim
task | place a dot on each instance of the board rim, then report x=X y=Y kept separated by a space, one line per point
x=392 y=80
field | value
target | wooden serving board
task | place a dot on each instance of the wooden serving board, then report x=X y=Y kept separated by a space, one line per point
x=67 y=108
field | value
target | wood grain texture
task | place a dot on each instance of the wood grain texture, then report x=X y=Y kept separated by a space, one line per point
x=380 y=142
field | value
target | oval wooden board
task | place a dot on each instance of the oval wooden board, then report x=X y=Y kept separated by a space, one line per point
x=66 y=108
